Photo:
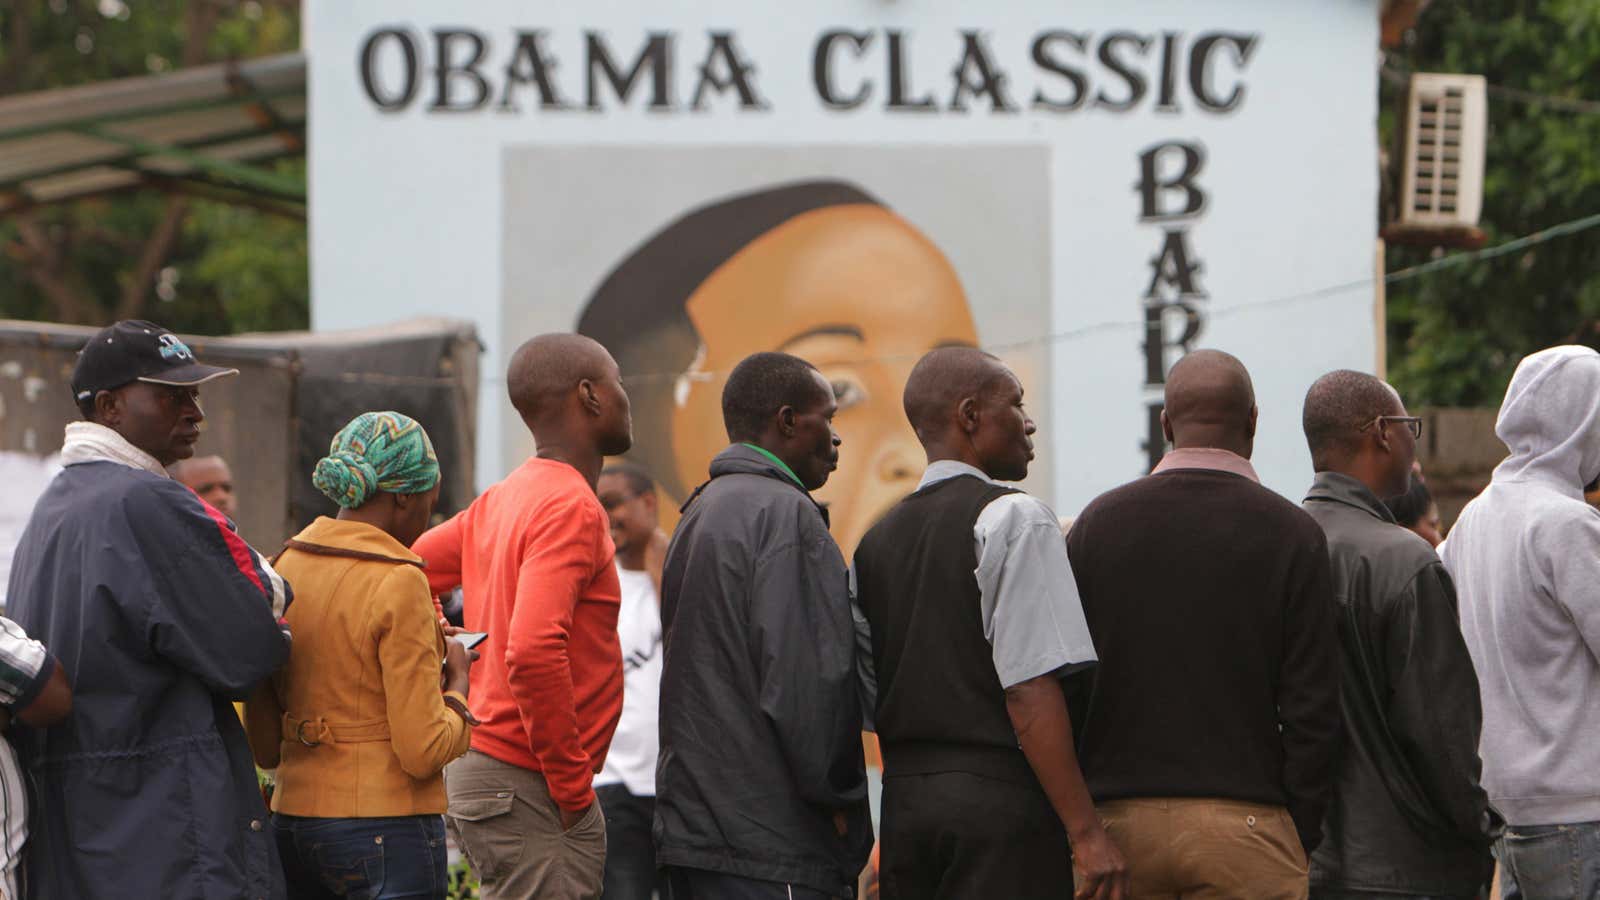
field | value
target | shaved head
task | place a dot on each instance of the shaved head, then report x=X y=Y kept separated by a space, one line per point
x=1337 y=406
x=210 y=477
x=185 y=469
x=1210 y=402
x=941 y=380
x=569 y=393
x=965 y=405
x=545 y=369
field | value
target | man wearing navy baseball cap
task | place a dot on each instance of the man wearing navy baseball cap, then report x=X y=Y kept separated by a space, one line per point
x=161 y=615
x=139 y=379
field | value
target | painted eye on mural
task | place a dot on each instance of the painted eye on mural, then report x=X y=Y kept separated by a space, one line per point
x=848 y=392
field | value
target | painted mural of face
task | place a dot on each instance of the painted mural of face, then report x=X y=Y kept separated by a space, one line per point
x=861 y=294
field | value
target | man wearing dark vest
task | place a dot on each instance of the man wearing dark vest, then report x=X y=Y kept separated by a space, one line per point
x=1210 y=736
x=973 y=622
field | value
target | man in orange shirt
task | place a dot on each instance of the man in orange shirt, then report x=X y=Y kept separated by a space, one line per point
x=533 y=556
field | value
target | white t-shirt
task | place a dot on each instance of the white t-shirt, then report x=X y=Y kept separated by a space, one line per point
x=25 y=477
x=632 y=758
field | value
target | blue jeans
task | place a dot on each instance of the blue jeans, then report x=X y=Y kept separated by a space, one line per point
x=362 y=859
x=630 y=851
x=1550 y=862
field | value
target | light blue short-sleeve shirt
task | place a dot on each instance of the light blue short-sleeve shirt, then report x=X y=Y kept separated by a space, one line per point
x=1031 y=612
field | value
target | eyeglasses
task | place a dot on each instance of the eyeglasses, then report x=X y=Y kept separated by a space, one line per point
x=1412 y=423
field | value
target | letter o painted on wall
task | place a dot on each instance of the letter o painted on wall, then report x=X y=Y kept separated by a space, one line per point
x=369 y=69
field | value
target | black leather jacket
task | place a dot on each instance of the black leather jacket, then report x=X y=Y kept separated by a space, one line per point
x=1408 y=814
x=760 y=714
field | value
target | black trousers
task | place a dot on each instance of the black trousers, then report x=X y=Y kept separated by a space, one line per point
x=699 y=884
x=630 y=850
x=955 y=836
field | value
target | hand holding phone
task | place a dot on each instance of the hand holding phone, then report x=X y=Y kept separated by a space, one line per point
x=469 y=639
x=456 y=675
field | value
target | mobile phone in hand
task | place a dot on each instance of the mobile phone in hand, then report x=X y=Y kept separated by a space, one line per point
x=469 y=639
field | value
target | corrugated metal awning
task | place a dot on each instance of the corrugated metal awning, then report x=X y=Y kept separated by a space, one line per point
x=197 y=129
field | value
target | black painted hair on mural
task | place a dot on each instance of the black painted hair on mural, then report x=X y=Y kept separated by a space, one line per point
x=640 y=310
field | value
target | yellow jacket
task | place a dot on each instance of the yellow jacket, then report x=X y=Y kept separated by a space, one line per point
x=355 y=723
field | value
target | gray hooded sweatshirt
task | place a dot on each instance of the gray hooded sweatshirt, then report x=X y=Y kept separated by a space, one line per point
x=1525 y=556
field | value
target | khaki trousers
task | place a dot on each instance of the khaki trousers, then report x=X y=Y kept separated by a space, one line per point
x=503 y=819
x=1208 y=849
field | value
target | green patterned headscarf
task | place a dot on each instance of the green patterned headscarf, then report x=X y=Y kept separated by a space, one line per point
x=377 y=451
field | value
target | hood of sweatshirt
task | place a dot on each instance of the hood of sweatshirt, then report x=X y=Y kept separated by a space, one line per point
x=1551 y=419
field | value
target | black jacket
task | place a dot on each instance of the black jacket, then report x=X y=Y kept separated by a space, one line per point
x=1408 y=814
x=760 y=717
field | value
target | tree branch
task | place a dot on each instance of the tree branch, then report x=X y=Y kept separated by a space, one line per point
x=42 y=262
x=157 y=248
x=15 y=70
x=199 y=21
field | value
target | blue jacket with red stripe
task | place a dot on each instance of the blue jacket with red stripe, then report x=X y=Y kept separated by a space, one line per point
x=161 y=615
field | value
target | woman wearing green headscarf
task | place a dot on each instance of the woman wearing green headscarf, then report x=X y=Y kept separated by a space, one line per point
x=356 y=723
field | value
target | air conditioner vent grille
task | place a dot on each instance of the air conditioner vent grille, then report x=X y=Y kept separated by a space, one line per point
x=1443 y=167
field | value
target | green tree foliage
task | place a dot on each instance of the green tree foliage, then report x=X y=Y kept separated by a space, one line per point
x=1455 y=336
x=192 y=264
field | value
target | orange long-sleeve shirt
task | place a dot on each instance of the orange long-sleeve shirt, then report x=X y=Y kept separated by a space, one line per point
x=533 y=557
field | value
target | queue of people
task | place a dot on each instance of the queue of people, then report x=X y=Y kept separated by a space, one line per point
x=1205 y=691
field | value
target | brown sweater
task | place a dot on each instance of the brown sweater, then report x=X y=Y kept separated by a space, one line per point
x=1211 y=604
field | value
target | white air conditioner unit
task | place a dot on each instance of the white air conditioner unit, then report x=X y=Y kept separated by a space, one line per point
x=1442 y=181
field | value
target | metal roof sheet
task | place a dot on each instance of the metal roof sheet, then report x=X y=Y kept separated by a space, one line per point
x=204 y=125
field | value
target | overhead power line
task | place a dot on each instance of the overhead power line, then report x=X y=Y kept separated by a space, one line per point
x=1460 y=259
x=1398 y=74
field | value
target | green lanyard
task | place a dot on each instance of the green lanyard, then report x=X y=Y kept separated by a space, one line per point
x=779 y=463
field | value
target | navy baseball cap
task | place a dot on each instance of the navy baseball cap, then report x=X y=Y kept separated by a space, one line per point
x=136 y=350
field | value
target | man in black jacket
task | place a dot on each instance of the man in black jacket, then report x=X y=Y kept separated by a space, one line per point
x=761 y=789
x=1408 y=816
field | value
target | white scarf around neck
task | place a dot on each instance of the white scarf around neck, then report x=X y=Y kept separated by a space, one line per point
x=93 y=442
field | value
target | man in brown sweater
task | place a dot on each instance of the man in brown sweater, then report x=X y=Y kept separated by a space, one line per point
x=1211 y=730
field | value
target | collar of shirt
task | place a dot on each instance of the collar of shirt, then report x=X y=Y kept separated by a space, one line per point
x=1341 y=488
x=783 y=466
x=1213 y=458
x=944 y=469
x=93 y=442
